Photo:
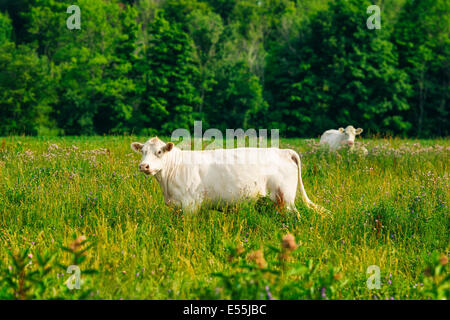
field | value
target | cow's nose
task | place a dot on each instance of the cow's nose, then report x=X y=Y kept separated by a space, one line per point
x=144 y=167
x=350 y=143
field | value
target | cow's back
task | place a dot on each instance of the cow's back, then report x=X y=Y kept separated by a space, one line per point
x=230 y=174
x=330 y=135
x=332 y=138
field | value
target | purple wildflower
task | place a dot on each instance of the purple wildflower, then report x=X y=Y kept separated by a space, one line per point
x=323 y=293
x=269 y=294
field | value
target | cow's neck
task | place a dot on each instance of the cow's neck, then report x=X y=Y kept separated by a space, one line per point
x=168 y=171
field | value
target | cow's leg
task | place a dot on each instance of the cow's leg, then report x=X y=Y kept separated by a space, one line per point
x=289 y=198
x=190 y=207
x=292 y=208
x=283 y=200
x=277 y=196
x=283 y=195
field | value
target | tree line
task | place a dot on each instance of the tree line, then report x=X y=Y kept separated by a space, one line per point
x=152 y=66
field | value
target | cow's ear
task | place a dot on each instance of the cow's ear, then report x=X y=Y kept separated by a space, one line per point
x=168 y=147
x=359 y=131
x=137 y=146
x=341 y=129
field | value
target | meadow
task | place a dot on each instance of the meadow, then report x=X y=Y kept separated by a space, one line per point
x=81 y=200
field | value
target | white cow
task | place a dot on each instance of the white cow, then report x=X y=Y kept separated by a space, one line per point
x=219 y=177
x=337 y=138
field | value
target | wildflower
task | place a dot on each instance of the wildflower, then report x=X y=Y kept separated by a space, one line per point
x=269 y=294
x=30 y=256
x=53 y=147
x=444 y=260
x=288 y=242
x=258 y=257
x=323 y=293
x=337 y=276
x=77 y=243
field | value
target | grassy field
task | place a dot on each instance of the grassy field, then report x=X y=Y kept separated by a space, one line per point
x=390 y=209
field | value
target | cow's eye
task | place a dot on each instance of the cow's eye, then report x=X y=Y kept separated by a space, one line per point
x=159 y=152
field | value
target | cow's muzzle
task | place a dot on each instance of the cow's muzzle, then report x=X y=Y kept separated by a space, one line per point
x=143 y=167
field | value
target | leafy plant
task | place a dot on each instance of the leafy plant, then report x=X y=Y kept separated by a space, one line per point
x=28 y=279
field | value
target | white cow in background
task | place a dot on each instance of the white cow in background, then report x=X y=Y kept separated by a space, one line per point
x=342 y=137
x=191 y=178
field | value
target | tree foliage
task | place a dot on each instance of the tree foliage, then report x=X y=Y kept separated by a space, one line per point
x=152 y=66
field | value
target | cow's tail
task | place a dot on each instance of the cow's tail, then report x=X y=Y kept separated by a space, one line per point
x=321 y=210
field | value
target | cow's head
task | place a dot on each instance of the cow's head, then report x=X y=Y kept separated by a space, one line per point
x=153 y=153
x=349 y=135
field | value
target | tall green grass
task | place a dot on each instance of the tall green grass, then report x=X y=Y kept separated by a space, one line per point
x=390 y=209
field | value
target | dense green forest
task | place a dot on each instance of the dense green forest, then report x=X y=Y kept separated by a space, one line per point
x=151 y=66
